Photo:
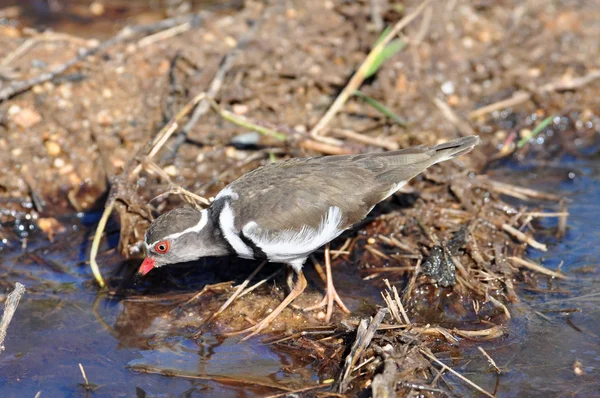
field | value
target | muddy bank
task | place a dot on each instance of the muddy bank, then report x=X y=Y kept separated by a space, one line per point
x=497 y=70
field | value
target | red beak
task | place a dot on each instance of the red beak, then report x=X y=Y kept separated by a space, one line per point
x=147 y=266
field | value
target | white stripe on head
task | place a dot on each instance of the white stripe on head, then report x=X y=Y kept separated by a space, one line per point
x=227 y=192
x=196 y=228
x=290 y=246
x=227 y=224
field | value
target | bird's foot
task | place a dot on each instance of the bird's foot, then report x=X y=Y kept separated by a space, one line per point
x=330 y=297
x=254 y=330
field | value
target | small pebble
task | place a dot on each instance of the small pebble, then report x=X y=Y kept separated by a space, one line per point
x=371 y=241
x=97 y=8
x=448 y=88
x=524 y=133
x=52 y=148
x=163 y=67
x=171 y=170
x=65 y=91
x=251 y=138
x=38 y=63
x=50 y=226
x=291 y=13
x=26 y=118
x=230 y=41
x=500 y=135
x=468 y=42
x=240 y=109
x=300 y=128
x=92 y=42
x=117 y=163
x=230 y=152
x=104 y=118
x=14 y=109
x=59 y=163
x=578 y=368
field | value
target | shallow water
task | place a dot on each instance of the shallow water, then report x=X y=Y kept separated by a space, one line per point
x=57 y=326
x=538 y=356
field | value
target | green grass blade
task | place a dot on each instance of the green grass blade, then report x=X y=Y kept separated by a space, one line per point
x=383 y=34
x=538 y=129
x=388 y=51
x=381 y=108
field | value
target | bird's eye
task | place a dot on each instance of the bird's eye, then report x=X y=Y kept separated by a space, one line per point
x=162 y=247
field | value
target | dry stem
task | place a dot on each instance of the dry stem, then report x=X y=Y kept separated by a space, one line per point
x=10 y=306
x=125 y=34
x=454 y=372
x=537 y=268
x=524 y=238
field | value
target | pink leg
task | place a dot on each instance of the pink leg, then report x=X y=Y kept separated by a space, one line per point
x=330 y=294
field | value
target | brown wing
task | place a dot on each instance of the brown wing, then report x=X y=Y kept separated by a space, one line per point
x=292 y=194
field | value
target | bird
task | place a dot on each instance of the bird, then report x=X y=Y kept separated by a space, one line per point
x=282 y=212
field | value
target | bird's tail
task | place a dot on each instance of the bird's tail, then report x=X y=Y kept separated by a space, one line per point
x=406 y=164
x=451 y=149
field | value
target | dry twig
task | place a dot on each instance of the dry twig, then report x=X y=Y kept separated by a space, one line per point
x=524 y=238
x=364 y=335
x=571 y=83
x=87 y=383
x=216 y=378
x=395 y=304
x=432 y=357
x=490 y=360
x=239 y=290
x=125 y=34
x=517 y=98
x=10 y=306
x=463 y=126
x=519 y=262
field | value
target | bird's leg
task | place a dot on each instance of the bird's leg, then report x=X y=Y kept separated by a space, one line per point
x=290 y=278
x=238 y=291
x=296 y=291
x=330 y=293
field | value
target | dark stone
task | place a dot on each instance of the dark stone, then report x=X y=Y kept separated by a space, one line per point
x=439 y=267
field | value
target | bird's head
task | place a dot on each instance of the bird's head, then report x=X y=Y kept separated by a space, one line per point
x=178 y=236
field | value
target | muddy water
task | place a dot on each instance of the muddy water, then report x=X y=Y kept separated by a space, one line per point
x=62 y=322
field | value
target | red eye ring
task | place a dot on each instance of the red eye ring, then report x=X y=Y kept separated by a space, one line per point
x=162 y=247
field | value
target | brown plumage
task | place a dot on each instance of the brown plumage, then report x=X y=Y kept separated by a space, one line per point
x=298 y=192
